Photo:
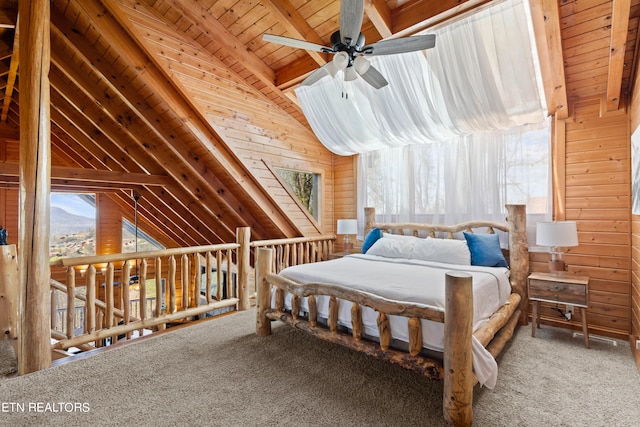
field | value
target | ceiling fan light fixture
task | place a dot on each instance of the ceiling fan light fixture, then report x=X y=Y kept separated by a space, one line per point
x=350 y=74
x=361 y=64
x=340 y=62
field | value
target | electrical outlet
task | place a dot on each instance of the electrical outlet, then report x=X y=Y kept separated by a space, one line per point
x=637 y=344
x=569 y=309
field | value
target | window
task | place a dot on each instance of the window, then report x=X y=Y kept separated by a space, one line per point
x=468 y=178
x=305 y=186
x=72 y=225
x=136 y=240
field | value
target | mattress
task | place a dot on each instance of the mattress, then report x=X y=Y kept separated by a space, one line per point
x=408 y=280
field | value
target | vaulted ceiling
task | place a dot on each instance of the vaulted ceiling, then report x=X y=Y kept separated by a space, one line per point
x=183 y=102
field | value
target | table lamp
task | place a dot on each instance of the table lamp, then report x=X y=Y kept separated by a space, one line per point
x=557 y=235
x=347 y=227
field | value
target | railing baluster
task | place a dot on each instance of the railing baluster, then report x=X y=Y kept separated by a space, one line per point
x=208 y=276
x=71 y=300
x=172 y=285
x=219 y=275
x=161 y=298
x=142 y=290
x=230 y=284
x=197 y=277
x=126 y=307
x=184 y=278
x=90 y=304
x=54 y=308
x=109 y=298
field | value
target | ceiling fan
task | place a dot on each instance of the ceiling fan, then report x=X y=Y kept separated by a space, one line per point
x=347 y=45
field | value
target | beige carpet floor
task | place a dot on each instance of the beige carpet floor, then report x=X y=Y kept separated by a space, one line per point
x=219 y=373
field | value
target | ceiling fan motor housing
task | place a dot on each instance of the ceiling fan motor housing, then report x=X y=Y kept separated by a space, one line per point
x=352 y=51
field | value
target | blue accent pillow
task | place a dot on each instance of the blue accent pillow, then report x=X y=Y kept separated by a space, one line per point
x=371 y=238
x=485 y=250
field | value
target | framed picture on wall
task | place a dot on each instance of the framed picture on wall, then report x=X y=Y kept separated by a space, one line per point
x=635 y=172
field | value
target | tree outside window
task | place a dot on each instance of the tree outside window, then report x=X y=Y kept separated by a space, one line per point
x=305 y=187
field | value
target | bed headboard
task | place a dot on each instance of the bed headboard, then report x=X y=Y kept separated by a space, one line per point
x=515 y=225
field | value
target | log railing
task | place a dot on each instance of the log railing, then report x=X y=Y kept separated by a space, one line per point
x=95 y=294
x=297 y=250
x=177 y=276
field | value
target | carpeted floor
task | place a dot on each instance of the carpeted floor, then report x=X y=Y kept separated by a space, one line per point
x=8 y=359
x=219 y=373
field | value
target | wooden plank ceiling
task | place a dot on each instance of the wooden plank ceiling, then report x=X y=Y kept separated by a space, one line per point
x=182 y=101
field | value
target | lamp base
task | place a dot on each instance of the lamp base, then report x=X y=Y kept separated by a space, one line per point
x=557 y=266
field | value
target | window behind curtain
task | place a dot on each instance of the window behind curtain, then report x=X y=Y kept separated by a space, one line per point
x=471 y=177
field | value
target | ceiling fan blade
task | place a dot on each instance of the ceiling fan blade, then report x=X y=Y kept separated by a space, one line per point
x=316 y=75
x=374 y=78
x=299 y=44
x=403 y=45
x=351 y=13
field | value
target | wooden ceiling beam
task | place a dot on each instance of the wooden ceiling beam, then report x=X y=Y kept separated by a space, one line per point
x=100 y=177
x=8 y=18
x=297 y=27
x=621 y=10
x=380 y=15
x=546 y=24
x=11 y=78
x=416 y=16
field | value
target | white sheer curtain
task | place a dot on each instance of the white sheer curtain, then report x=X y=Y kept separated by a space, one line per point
x=480 y=76
x=465 y=178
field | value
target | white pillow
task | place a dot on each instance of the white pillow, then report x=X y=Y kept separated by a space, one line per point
x=398 y=236
x=452 y=251
x=392 y=248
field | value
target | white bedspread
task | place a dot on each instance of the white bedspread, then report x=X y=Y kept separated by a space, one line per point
x=414 y=281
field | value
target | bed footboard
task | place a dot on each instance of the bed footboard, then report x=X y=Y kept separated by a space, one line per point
x=456 y=367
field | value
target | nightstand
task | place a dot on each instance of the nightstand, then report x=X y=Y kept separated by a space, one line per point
x=559 y=288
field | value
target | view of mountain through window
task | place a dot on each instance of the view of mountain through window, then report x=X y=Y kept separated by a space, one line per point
x=72 y=225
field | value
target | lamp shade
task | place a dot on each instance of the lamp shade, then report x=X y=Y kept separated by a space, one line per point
x=347 y=226
x=557 y=234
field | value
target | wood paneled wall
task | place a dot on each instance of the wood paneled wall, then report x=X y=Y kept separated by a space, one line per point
x=345 y=190
x=9 y=214
x=108 y=226
x=594 y=160
x=634 y=113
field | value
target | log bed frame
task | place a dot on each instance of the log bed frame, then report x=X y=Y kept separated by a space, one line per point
x=456 y=366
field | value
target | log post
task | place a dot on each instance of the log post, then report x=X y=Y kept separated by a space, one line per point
x=458 y=329
x=263 y=289
x=243 y=237
x=9 y=285
x=519 y=256
x=35 y=186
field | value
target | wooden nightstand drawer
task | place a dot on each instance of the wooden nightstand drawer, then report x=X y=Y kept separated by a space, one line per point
x=567 y=293
x=559 y=288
